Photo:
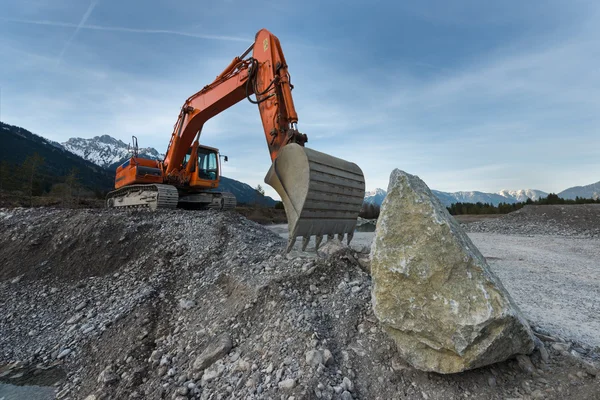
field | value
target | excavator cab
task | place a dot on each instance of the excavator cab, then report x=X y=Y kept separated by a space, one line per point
x=202 y=165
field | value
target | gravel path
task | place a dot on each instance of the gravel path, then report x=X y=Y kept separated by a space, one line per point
x=555 y=280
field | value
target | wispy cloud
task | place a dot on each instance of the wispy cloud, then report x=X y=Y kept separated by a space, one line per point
x=77 y=29
x=128 y=30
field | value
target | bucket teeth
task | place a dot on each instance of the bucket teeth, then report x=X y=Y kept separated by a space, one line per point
x=340 y=237
x=349 y=238
x=318 y=240
x=291 y=242
x=330 y=237
x=305 y=241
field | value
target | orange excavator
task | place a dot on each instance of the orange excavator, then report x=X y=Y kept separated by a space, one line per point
x=322 y=195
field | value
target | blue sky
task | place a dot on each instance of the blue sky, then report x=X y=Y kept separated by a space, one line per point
x=469 y=95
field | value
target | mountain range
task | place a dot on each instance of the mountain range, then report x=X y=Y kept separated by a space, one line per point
x=504 y=196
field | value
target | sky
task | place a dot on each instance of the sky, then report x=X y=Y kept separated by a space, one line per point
x=468 y=95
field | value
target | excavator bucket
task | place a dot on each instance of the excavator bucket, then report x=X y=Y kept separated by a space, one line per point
x=322 y=195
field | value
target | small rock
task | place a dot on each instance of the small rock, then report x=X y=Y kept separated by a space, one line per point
x=215 y=350
x=327 y=357
x=525 y=364
x=75 y=319
x=186 y=304
x=63 y=354
x=346 y=395
x=347 y=384
x=492 y=381
x=561 y=346
x=16 y=279
x=314 y=358
x=81 y=305
x=108 y=376
x=590 y=369
x=242 y=366
x=287 y=384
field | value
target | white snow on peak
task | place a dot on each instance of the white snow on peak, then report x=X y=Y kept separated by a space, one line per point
x=522 y=194
x=105 y=150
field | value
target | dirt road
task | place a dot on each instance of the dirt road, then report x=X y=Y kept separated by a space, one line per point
x=554 y=280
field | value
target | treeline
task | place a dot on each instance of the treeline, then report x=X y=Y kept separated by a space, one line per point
x=369 y=211
x=30 y=179
x=505 y=208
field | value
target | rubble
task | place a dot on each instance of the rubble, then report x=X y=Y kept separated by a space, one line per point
x=161 y=288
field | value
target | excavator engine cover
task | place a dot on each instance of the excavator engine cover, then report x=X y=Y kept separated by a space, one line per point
x=322 y=195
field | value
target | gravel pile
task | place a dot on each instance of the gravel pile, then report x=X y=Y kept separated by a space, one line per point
x=562 y=220
x=205 y=305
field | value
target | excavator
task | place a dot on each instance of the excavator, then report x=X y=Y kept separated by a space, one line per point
x=322 y=195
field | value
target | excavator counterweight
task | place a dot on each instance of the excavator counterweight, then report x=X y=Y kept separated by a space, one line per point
x=322 y=194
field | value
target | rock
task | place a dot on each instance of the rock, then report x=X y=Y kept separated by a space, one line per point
x=81 y=305
x=365 y=264
x=63 y=354
x=186 y=304
x=314 y=358
x=327 y=357
x=242 y=366
x=590 y=368
x=287 y=384
x=432 y=289
x=561 y=346
x=330 y=248
x=526 y=364
x=347 y=384
x=346 y=395
x=16 y=279
x=215 y=350
x=108 y=376
x=75 y=319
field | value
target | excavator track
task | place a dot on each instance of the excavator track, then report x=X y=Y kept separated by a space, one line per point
x=227 y=201
x=154 y=197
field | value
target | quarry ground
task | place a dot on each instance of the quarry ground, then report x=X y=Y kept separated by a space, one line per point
x=101 y=304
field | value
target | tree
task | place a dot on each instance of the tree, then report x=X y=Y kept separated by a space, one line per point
x=260 y=192
x=72 y=183
x=4 y=171
x=29 y=169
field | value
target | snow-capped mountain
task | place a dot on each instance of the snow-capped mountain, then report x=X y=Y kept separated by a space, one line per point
x=588 y=192
x=523 y=194
x=106 y=151
x=375 y=196
x=447 y=199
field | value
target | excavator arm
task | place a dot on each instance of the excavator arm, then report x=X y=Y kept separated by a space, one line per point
x=264 y=74
x=322 y=195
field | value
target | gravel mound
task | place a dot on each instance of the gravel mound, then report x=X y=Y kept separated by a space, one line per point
x=561 y=220
x=204 y=305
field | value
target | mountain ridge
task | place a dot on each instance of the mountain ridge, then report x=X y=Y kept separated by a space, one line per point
x=503 y=196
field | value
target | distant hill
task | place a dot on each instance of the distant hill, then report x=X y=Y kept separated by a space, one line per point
x=16 y=144
x=591 y=191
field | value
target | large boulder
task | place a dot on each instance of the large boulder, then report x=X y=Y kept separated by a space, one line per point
x=433 y=290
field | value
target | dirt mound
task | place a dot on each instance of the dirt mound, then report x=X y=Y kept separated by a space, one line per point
x=205 y=305
x=563 y=220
